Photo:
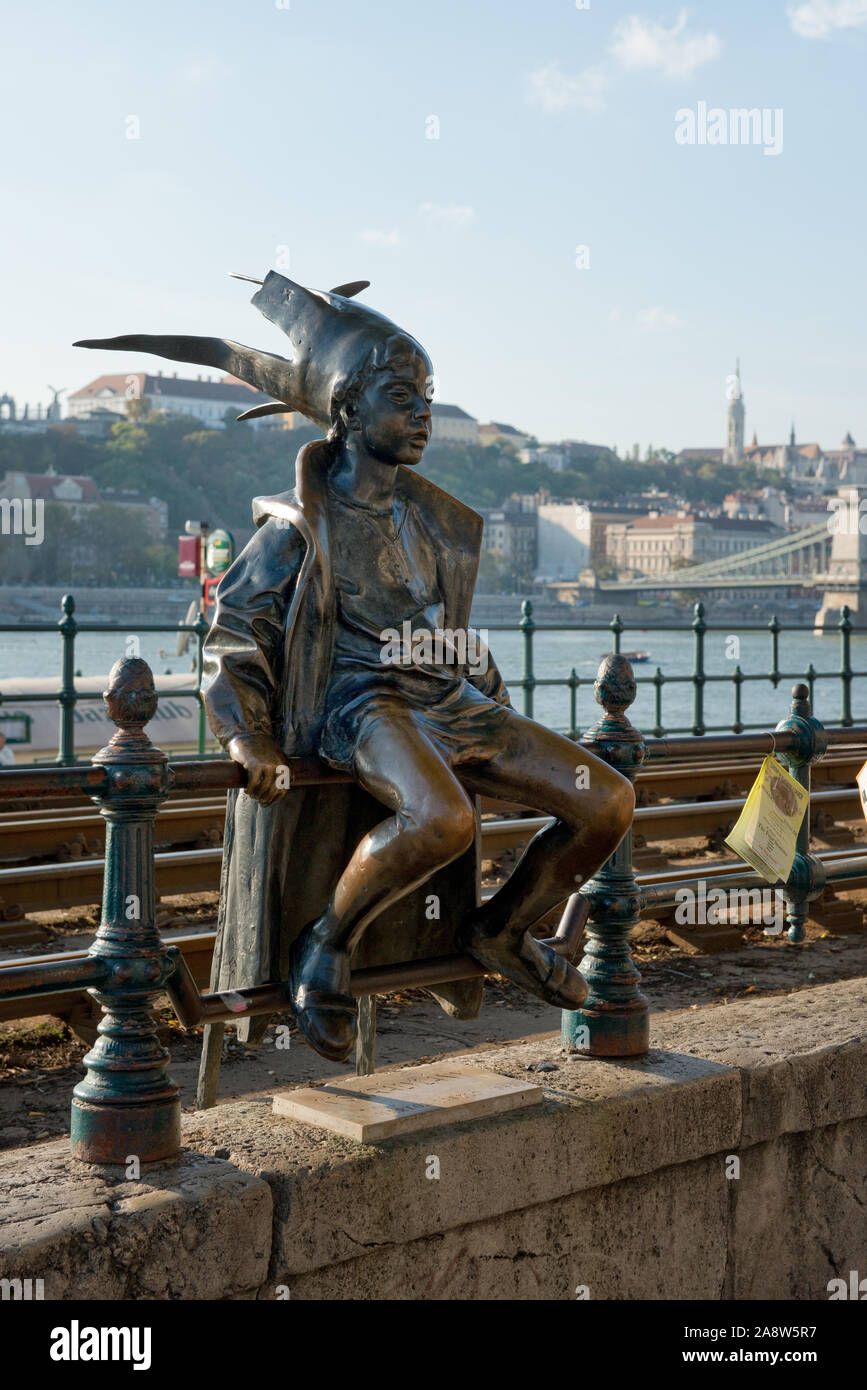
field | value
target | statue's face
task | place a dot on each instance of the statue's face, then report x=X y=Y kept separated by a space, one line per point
x=393 y=412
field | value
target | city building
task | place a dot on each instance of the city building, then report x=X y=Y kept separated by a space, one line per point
x=572 y=537
x=27 y=421
x=451 y=425
x=553 y=456
x=744 y=506
x=795 y=461
x=205 y=399
x=495 y=433
x=569 y=453
x=660 y=543
x=80 y=495
x=511 y=534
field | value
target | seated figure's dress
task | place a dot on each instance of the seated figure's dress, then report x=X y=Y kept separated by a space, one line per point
x=385 y=574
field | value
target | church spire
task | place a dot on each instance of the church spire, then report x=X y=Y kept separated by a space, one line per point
x=734 y=449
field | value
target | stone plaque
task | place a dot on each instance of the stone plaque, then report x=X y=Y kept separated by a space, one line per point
x=371 y=1108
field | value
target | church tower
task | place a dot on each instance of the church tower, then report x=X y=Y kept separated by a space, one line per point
x=734 y=449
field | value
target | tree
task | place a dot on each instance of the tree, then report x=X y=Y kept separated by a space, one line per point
x=139 y=408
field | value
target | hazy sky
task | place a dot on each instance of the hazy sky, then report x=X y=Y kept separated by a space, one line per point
x=268 y=131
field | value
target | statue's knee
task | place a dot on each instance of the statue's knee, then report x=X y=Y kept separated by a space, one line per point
x=612 y=808
x=623 y=808
x=449 y=830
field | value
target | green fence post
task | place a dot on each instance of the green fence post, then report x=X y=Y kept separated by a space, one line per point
x=614 y=1021
x=616 y=627
x=201 y=628
x=807 y=877
x=126 y=1106
x=774 y=630
x=573 y=684
x=528 y=627
x=658 y=683
x=810 y=677
x=699 y=627
x=845 y=627
x=68 y=627
x=737 y=681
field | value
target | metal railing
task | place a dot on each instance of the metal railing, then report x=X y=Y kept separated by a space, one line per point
x=67 y=697
x=698 y=678
x=126 y=1103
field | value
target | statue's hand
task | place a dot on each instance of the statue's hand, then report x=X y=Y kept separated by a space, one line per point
x=263 y=759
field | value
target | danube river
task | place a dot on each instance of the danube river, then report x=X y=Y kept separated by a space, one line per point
x=555 y=654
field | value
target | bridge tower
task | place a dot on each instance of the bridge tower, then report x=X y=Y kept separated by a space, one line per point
x=846 y=579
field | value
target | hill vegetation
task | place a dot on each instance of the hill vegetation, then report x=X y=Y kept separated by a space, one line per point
x=213 y=474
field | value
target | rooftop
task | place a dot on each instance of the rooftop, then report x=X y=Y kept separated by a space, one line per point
x=496 y=428
x=454 y=411
x=229 y=389
x=56 y=487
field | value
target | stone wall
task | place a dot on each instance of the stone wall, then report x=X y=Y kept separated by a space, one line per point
x=728 y=1163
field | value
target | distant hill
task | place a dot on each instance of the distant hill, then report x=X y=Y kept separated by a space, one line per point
x=214 y=474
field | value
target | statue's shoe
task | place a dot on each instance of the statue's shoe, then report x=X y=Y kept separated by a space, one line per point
x=529 y=963
x=319 y=985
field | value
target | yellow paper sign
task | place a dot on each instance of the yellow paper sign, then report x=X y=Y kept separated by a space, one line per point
x=861 y=779
x=767 y=829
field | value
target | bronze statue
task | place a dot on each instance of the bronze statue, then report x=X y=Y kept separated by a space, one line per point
x=309 y=654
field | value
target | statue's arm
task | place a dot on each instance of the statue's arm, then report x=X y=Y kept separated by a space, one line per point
x=243 y=652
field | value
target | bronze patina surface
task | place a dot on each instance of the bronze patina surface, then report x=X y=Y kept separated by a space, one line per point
x=342 y=631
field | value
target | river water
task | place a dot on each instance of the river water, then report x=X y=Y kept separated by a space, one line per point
x=555 y=654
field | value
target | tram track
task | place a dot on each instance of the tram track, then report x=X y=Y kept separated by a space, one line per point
x=78 y=883
x=62 y=833
x=77 y=1008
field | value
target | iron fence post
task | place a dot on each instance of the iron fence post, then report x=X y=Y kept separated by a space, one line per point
x=528 y=627
x=810 y=676
x=201 y=631
x=616 y=627
x=845 y=627
x=774 y=630
x=68 y=627
x=737 y=681
x=807 y=877
x=658 y=683
x=699 y=627
x=573 y=684
x=127 y=1106
x=614 y=1020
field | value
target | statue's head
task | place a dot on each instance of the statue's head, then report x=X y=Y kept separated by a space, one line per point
x=349 y=369
x=352 y=370
x=384 y=406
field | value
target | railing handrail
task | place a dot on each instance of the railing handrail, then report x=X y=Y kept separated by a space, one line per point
x=68 y=695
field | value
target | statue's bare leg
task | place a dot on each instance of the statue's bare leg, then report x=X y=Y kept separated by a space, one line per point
x=593 y=806
x=432 y=823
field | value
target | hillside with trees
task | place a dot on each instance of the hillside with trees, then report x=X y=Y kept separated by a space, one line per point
x=214 y=474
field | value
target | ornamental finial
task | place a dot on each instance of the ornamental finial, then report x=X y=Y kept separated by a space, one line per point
x=614 y=686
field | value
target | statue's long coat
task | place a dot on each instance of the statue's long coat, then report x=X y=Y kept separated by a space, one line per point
x=267 y=666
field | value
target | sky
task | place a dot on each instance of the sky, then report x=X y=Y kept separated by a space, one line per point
x=516 y=180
